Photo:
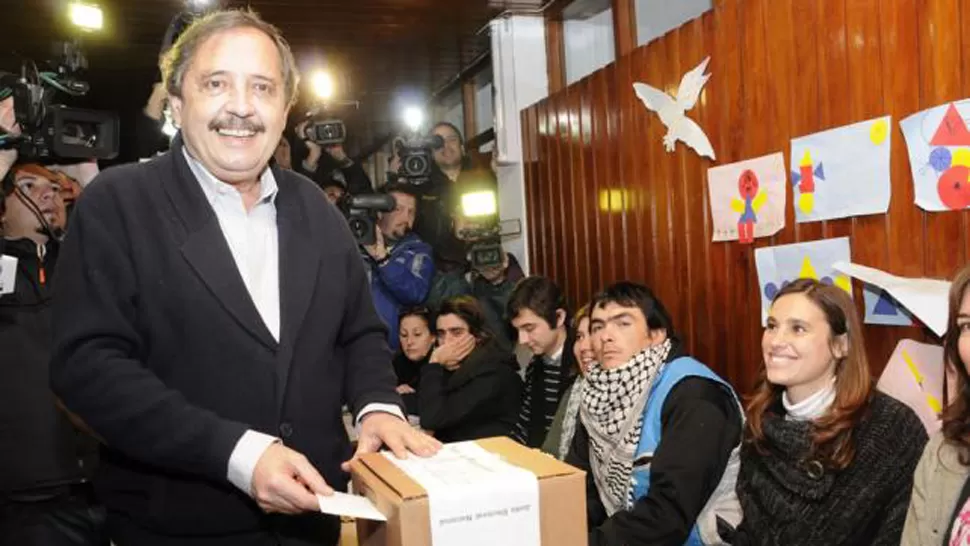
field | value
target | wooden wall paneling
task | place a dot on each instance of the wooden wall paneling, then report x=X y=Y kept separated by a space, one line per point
x=900 y=72
x=693 y=208
x=624 y=26
x=870 y=244
x=805 y=112
x=662 y=262
x=631 y=148
x=644 y=149
x=706 y=308
x=531 y=176
x=675 y=230
x=560 y=186
x=555 y=53
x=725 y=133
x=543 y=265
x=833 y=72
x=603 y=183
x=940 y=79
x=573 y=227
x=746 y=292
x=611 y=169
x=590 y=192
x=785 y=77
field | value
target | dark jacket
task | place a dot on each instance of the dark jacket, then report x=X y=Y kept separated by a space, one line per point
x=409 y=373
x=160 y=349
x=789 y=499
x=545 y=385
x=478 y=400
x=40 y=447
x=701 y=425
x=403 y=279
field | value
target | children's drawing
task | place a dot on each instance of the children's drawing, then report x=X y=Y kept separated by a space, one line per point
x=914 y=376
x=748 y=198
x=842 y=172
x=939 y=156
x=779 y=265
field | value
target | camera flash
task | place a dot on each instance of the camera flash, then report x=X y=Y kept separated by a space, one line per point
x=413 y=118
x=86 y=16
x=323 y=85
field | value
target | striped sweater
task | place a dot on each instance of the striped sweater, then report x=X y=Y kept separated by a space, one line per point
x=546 y=380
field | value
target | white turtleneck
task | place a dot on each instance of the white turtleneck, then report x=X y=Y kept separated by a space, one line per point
x=812 y=407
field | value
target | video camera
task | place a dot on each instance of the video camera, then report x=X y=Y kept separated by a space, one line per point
x=417 y=159
x=55 y=133
x=361 y=213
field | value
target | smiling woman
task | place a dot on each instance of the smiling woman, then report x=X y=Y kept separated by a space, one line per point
x=819 y=438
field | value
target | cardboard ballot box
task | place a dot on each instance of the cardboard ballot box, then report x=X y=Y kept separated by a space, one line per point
x=562 y=498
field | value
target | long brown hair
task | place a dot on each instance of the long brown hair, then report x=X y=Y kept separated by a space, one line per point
x=956 y=416
x=832 y=433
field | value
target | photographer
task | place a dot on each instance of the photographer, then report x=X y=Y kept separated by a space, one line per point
x=45 y=461
x=318 y=165
x=440 y=198
x=399 y=263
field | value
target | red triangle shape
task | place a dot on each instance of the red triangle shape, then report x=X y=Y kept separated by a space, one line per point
x=952 y=130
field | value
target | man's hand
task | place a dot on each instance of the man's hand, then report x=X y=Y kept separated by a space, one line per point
x=284 y=481
x=315 y=151
x=379 y=428
x=450 y=355
x=337 y=152
x=8 y=124
x=404 y=388
x=155 y=106
x=378 y=250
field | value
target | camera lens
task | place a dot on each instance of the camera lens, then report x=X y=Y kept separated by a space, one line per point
x=416 y=165
x=358 y=226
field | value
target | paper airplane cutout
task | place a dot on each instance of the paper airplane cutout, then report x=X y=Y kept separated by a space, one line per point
x=952 y=130
x=672 y=111
x=926 y=299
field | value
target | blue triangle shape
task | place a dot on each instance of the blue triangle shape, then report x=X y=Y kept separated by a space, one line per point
x=884 y=305
x=796 y=177
x=819 y=173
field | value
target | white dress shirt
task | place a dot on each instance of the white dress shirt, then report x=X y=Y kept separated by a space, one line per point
x=253 y=239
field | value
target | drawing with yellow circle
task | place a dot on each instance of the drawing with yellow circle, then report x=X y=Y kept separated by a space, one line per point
x=879 y=132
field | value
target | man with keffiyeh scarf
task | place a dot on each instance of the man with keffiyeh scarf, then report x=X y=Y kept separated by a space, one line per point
x=658 y=434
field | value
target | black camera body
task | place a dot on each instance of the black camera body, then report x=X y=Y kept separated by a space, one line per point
x=417 y=159
x=485 y=245
x=55 y=133
x=326 y=132
x=361 y=214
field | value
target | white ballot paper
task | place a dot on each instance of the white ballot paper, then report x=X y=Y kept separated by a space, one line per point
x=926 y=299
x=475 y=498
x=355 y=506
x=8 y=274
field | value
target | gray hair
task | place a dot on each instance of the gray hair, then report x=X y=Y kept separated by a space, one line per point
x=175 y=62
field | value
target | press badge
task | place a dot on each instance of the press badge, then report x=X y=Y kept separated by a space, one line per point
x=8 y=274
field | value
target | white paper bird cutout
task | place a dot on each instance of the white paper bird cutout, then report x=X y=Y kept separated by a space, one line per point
x=672 y=111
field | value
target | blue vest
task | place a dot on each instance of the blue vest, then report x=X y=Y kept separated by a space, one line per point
x=671 y=374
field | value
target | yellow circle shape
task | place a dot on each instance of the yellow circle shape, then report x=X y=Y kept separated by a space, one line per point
x=961 y=157
x=879 y=132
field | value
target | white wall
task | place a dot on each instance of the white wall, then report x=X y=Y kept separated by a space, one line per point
x=658 y=17
x=589 y=44
x=520 y=80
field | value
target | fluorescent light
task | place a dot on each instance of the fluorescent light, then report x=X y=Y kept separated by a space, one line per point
x=87 y=16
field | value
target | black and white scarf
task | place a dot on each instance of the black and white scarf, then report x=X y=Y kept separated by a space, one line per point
x=612 y=412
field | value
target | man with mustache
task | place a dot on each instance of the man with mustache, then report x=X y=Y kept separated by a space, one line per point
x=214 y=316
